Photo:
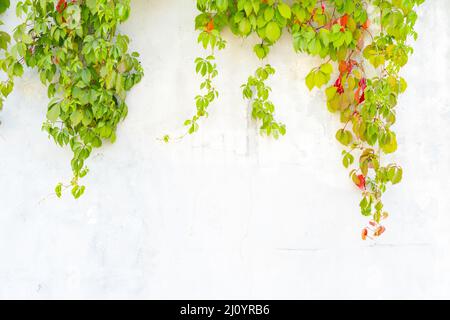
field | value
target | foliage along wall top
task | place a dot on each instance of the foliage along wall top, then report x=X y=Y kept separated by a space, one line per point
x=86 y=66
x=365 y=40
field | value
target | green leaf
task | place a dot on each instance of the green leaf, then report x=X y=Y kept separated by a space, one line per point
x=261 y=50
x=326 y=68
x=58 y=190
x=53 y=112
x=76 y=117
x=245 y=27
x=92 y=5
x=284 y=10
x=222 y=5
x=18 y=69
x=397 y=175
x=4 y=5
x=310 y=80
x=348 y=160
x=345 y=137
x=273 y=31
x=330 y=92
x=269 y=13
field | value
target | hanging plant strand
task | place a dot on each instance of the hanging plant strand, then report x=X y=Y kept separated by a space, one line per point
x=257 y=92
x=85 y=64
x=9 y=66
x=364 y=46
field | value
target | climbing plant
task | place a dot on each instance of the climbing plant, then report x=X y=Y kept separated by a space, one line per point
x=363 y=44
x=10 y=69
x=85 y=64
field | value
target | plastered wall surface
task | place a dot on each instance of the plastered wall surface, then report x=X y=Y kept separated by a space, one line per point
x=225 y=213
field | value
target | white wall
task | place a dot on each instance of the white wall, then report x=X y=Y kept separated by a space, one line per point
x=225 y=213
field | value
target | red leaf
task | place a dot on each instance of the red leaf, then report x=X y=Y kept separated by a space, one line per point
x=364 y=234
x=343 y=21
x=342 y=66
x=362 y=182
x=366 y=24
x=338 y=85
x=210 y=26
x=363 y=98
x=379 y=231
x=61 y=6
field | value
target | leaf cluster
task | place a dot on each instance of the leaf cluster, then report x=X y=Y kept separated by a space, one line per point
x=352 y=36
x=87 y=68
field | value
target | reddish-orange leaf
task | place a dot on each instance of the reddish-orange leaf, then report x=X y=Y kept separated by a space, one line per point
x=210 y=26
x=362 y=182
x=342 y=66
x=364 y=234
x=366 y=24
x=343 y=21
x=61 y=6
x=379 y=231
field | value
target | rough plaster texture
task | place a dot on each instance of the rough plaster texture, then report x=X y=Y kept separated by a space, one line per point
x=226 y=213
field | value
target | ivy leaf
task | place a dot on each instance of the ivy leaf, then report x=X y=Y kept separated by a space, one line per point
x=284 y=10
x=273 y=31
x=92 y=5
x=345 y=137
x=326 y=68
x=4 y=5
x=222 y=5
x=331 y=92
x=76 y=117
x=18 y=69
x=261 y=50
x=58 y=190
x=395 y=174
x=5 y=39
x=269 y=13
x=348 y=159
x=245 y=27
x=78 y=191
x=53 y=112
x=310 y=82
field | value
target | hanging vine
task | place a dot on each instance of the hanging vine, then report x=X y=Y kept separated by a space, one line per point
x=88 y=70
x=366 y=41
x=85 y=64
x=9 y=67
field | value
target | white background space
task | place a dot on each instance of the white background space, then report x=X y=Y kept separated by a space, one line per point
x=225 y=213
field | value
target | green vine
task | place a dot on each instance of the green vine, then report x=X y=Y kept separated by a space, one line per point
x=9 y=67
x=208 y=70
x=88 y=70
x=258 y=92
x=365 y=39
x=85 y=64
